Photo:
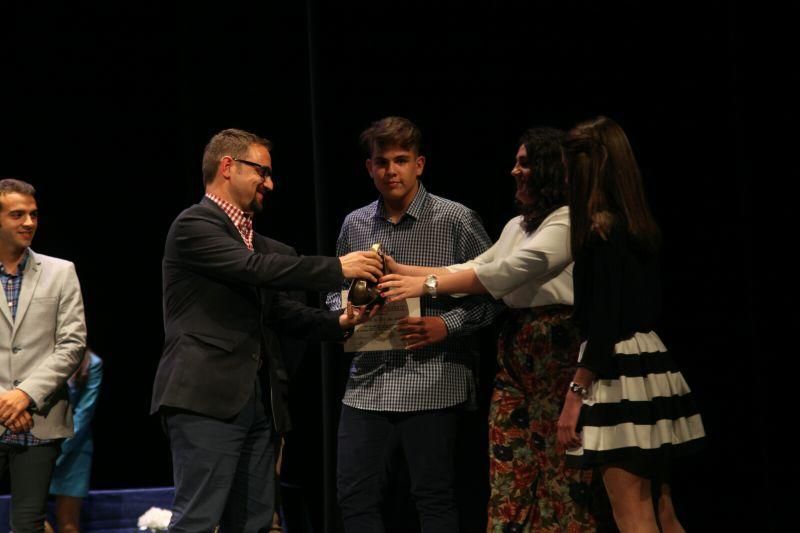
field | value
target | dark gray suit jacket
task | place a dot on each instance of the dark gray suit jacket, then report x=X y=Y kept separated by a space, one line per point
x=222 y=306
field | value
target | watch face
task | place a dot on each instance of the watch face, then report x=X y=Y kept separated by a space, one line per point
x=431 y=283
x=430 y=286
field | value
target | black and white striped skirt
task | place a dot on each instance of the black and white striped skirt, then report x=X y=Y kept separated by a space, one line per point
x=642 y=417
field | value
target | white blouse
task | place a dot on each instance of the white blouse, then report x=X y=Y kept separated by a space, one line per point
x=528 y=270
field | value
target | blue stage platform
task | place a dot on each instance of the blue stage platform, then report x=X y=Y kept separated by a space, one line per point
x=107 y=511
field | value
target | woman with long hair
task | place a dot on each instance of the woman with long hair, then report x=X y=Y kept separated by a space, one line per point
x=634 y=406
x=530 y=269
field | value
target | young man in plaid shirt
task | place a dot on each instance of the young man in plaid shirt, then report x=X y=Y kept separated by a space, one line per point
x=410 y=397
x=42 y=340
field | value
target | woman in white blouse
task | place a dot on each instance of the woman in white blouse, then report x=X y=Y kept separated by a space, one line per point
x=530 y=269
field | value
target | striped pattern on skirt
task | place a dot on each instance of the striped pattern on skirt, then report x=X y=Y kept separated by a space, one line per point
x=640 y=417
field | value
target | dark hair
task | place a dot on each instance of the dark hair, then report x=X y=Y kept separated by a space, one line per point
x=391 y=131
x=605 y=186
x=11 y=185
x=230 y=142
x=546 y=185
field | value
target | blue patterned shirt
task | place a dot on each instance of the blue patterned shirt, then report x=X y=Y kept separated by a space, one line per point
x=432 y=232
x=12 y=284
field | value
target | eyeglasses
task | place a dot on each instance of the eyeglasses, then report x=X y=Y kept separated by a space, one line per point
x=262 y=170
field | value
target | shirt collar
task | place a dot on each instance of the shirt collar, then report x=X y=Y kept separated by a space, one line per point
x=20 y=268
x=414 y=208
x=231 y=210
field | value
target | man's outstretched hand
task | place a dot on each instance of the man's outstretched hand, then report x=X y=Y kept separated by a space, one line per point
x=362 y=265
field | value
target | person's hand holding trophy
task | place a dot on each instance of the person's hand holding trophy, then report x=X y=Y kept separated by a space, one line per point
x=363 y=292
x=363 y=298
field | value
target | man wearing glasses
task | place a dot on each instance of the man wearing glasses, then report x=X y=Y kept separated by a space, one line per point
x=221 y=311
x=42 y=340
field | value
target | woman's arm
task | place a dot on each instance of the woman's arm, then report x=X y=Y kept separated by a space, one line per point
x=83 y=410
x=602 y=300
x=568 y=421
x=535 y=257
x=411 y=270
x=393 y=267
x=395 y=287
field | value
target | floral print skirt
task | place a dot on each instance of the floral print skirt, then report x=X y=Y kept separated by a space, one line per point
x=531 y=488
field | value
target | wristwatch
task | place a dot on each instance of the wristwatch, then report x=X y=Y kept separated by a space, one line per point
x=578 y=389
x=431 y=284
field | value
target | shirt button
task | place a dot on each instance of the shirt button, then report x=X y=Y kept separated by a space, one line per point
x=255 y=356
x=16 y=349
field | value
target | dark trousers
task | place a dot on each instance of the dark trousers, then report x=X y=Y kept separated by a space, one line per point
x=367 y=441
x=30 y=468
x=224 y=470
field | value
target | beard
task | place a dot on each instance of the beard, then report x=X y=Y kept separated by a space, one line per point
x=255 y=205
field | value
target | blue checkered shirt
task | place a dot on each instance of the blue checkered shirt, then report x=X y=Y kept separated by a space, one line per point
x=433 y=232
x=12 y=284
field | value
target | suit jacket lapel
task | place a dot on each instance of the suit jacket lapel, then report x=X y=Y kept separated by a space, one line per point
x=30 y=279
x=219 y=213
x=233 y=231
x=4 y=309
x=259 y=247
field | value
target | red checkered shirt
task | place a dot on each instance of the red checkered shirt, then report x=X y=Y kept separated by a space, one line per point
x=243 y=221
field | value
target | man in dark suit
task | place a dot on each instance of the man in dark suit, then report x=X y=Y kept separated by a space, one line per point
x=221 y=310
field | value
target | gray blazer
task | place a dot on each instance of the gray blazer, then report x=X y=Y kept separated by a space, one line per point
x=45 y=344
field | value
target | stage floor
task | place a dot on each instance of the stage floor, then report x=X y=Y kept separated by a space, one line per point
x=107 y=511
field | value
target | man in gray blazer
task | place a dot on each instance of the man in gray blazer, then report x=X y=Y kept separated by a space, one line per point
x=42 y=339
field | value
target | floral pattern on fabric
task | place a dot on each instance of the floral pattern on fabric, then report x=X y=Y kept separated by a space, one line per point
x=531 y=488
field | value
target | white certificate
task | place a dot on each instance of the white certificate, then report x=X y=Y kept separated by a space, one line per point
x=380 y=333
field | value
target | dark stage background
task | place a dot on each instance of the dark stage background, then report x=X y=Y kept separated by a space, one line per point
x=106 y=107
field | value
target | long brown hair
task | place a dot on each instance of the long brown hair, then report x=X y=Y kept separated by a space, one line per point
x=546 y=186
x=605 y=186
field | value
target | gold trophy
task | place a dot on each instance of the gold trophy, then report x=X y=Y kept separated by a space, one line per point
x=364 y=292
